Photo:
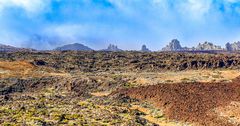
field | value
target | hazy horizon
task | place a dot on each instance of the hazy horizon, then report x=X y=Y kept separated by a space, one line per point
x=46 y=24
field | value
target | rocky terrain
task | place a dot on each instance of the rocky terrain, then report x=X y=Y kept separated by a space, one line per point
x=192 y=102
x=126 y=61
x=119 y=88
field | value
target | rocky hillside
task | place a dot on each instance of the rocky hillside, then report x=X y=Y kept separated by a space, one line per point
x=74 y=47
x=193 y=102
x=7 y=48
x=127 y=61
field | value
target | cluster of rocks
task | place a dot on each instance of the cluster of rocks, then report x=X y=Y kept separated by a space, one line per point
x=208 y=46
x=233 y=46
x=175 y=45
x=112 y=48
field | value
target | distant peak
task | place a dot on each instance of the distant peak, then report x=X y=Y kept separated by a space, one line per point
x=174 y=45
x=77 y=44
x=145 y=49
x=113 y=48
x=74 y=47
x=8 y=48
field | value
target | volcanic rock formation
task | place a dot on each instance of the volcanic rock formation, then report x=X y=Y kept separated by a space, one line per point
x=145 y=49
x=174 y=45
x=233 y=47
x=208 y=46
x=112 y=48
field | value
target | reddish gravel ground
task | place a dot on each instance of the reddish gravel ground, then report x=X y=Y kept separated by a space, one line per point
x=190 y=102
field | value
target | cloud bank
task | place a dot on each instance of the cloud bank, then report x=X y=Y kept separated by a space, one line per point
x=45 y=24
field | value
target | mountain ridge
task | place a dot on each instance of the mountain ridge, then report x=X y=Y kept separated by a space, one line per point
x=8 y=48
x=74 y=47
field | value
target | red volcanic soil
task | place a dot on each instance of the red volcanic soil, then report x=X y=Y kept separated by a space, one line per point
x=190 y=102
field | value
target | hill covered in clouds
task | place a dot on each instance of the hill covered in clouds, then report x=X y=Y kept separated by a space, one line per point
x=74 y=47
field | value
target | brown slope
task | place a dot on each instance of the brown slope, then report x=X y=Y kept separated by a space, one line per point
x=190 y=102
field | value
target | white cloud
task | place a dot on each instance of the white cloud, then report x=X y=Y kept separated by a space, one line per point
x=67 y=30
x=154 y=21
x=194 y=9
x=30 y=6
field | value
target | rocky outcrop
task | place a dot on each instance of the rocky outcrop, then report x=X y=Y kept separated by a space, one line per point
x=74 y=47
x=229 y=47
x=112 y=48
x=233 y=47
x=207 y=46
x=145 y=49
x=174 y=45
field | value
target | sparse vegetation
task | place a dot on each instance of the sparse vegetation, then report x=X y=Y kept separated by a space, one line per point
x=82 y=88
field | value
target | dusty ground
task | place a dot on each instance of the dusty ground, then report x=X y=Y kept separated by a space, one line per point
x=150 y=78
x=231 y=112
x=24 y=69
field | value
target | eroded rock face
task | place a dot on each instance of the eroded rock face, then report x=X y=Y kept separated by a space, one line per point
x=174 y=45
x=208 y=46
x=145 y=49
x=233 y=47
x=112 y=48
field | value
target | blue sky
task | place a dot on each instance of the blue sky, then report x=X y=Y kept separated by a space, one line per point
x=46 y=24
